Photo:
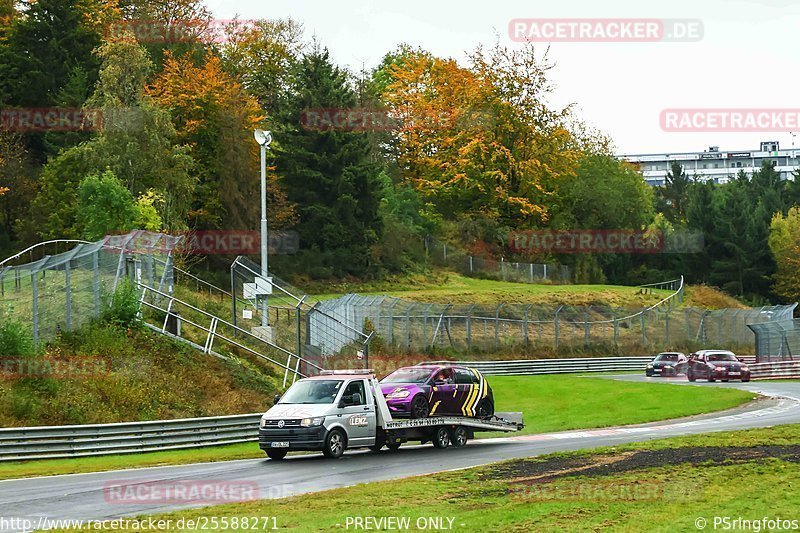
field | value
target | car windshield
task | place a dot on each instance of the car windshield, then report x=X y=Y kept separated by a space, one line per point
x=312 y=391
x=722 y=357
x=408 y=375
x=667 y=357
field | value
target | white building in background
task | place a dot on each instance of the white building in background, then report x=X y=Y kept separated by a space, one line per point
x=716 y=165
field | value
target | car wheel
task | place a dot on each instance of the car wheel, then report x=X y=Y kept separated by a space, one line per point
x=441 y=439
x=648 y=374
x=485 y=408
x=711 y=379
x=277 y=454
x=419 y=407
x=334 y=444
x=745 y=380
x=690 y=376
x=393 y=444
x=458 y=437
x=724 y=380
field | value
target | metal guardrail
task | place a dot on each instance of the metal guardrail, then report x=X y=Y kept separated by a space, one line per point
x=775 y=370
x=55 y=442
x=566 y=366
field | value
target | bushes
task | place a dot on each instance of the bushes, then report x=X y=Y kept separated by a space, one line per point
x=122 y=306
x=16 y=340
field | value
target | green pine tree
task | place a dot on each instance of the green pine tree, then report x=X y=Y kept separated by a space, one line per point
x=331 y=175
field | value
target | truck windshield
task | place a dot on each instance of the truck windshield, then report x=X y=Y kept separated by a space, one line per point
x=312 y=391
x=408 y=375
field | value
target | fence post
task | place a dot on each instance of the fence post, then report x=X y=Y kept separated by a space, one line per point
x=503 y=267
x=68 y=295
x=586 y=326
x=408 y=327
x=469 y=327
x=545 y=271
x=525 y=323
x=616 y=327
x=96 y=282
x=531 y=269
x=390 y=323
x=444 y=252
x=497 y=325
x=470 y=265
x=644 y=337
x=35 y=285
x=666 y=328
x=555 y=323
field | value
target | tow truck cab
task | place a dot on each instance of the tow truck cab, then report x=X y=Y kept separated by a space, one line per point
x=346 y=409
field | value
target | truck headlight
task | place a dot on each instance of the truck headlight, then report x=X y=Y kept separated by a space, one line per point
x=403 y=393
x=312 y=422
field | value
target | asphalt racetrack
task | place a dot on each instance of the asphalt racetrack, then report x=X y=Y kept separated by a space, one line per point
x=82 y=496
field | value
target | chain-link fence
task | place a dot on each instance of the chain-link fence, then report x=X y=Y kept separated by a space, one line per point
x=448 y=256
x=403 y=326
x=52 y=290
x=777 y=340
x=317 y=330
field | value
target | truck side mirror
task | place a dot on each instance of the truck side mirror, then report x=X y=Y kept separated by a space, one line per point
x=276 y=399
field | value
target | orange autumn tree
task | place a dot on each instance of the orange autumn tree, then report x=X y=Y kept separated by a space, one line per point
x=215 y=115
x=479 y=140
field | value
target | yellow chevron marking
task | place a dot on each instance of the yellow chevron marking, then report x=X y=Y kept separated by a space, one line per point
x=434 y=408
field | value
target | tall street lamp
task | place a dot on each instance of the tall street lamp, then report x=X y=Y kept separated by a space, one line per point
x=264 y=138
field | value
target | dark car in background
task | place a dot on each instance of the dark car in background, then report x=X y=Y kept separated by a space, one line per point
x=667 y=364
x=714 y=365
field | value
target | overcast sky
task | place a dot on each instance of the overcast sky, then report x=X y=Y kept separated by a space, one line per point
x=747 y=58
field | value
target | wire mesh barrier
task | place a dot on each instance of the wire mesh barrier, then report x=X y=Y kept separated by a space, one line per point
x=54 y=291
x=403 y=326
x=317 y=330
x=451 y=257
x=777 y=340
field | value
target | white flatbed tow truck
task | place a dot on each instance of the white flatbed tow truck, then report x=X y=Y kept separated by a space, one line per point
x=338 y=410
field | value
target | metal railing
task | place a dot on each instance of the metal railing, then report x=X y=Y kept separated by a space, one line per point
x=775 y=370
x=55 y=442
x=566 y=366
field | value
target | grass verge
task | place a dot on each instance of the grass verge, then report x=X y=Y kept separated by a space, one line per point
x=678 y=484
x=548 y=403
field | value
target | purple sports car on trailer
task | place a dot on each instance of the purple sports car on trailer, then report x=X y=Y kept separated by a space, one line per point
x=434 y=389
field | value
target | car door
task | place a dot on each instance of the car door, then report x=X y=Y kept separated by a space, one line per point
x=444 y=392
x=467 y=384
x=358 y=413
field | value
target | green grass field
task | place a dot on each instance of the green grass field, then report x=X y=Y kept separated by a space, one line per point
x=678 y=484
x=548 y=403
x=458 y=289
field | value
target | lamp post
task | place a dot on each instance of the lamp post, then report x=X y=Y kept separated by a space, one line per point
x=264 y=138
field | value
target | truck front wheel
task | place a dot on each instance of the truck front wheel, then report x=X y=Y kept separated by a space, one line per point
x=335 y=444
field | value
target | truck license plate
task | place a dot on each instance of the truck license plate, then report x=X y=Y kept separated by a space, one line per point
x=280 y=444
